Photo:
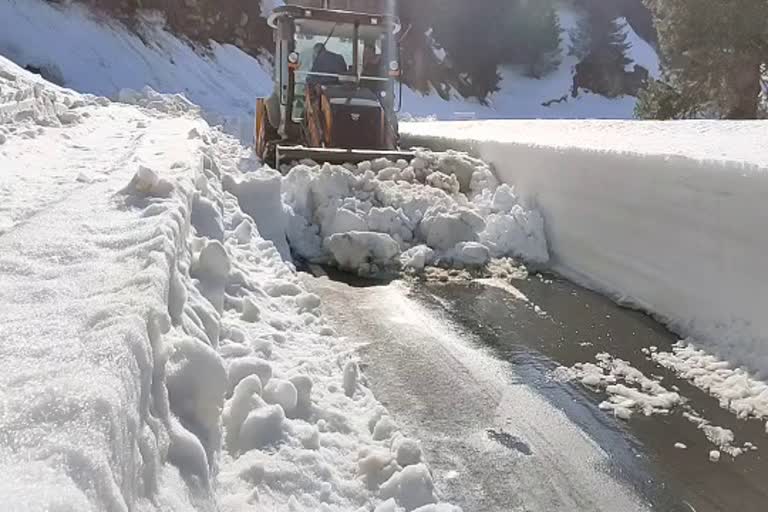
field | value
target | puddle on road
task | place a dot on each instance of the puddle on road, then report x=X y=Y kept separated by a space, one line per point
x=531 y=326
x=509 y=441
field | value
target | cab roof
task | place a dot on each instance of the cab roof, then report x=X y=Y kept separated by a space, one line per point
x=334 y=16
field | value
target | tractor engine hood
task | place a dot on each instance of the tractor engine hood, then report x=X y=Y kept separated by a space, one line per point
x=351 y=95
x=356 y=117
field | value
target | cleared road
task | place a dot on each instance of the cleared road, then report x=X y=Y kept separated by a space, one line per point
x=466 y=368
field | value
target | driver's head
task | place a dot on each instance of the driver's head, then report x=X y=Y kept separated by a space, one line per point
x=318 y=49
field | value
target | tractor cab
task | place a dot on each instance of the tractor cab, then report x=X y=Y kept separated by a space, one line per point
x=336 y=87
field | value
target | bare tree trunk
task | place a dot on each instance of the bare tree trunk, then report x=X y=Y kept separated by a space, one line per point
x=743 y=82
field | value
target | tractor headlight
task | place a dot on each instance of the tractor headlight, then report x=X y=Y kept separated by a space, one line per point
x=293 y=58
x=394 y=66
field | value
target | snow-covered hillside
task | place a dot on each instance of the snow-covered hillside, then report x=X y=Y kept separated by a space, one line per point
x=158 y=353
x=90 y=53
x=550 y=97
x=663 y=216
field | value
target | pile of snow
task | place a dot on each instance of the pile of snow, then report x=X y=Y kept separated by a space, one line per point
x=91 y=54
x=439 y=209
x=667 y=217
x=158 y=352
x=735 y=388
x=722 y=438
x=629 y=391
x=627 y=387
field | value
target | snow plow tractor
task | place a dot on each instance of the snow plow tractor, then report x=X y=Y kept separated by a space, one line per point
x=336 y=88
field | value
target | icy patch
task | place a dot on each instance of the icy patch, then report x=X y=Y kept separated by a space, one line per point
x=629 y=390
x=441 y=209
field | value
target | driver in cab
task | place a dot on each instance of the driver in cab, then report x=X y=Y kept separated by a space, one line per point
x=326 y=61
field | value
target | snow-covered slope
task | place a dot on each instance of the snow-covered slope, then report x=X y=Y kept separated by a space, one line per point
x=524 y=97
x=158 y=353
x=93 y=54
x=668 y=217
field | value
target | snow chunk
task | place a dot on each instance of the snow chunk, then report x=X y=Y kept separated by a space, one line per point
x=282 y=393
x=411 y=488
x=407 y=451
x=240 y=368
x=259 y=195
x=351 y=374
x=358 y=250
x=262 y=427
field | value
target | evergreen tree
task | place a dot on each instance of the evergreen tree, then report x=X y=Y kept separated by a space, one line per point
x=712 y=51
x=581 y=38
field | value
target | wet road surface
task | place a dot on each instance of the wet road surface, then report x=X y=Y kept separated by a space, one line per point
x=466 y=367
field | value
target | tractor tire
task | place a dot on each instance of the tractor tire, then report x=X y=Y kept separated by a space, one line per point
x=266 y=136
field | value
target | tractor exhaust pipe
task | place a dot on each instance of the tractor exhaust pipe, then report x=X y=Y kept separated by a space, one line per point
x=326 y=4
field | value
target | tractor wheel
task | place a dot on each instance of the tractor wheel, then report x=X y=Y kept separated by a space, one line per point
x=266 y=136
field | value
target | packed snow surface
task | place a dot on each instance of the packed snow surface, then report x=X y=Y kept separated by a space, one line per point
x=159 y=353
x=667 y=217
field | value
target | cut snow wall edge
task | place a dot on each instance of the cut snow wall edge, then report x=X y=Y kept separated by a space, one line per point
x=678 y=237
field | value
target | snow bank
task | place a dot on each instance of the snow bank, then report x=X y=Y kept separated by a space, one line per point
x=158 y=352
x=91 y=54
x=735 y=388
x=442 y=208
x=667 y=217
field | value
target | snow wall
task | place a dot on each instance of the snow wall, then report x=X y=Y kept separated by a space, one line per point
x=667 y=217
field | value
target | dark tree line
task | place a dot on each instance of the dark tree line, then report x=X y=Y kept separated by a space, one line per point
x=715 y=54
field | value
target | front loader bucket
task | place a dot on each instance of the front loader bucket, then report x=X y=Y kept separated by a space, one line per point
x=286 y=154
